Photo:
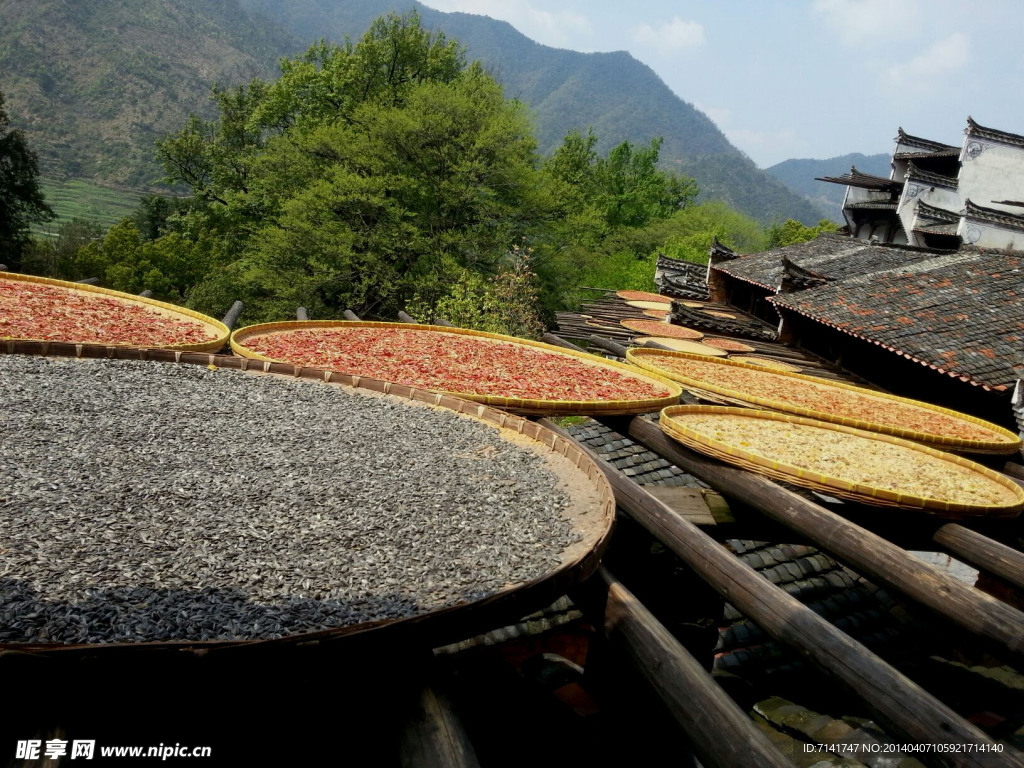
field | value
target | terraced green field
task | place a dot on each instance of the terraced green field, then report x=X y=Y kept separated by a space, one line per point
x=85 y=199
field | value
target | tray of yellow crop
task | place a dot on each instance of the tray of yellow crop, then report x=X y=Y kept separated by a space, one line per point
x=830 y=401
x=866 y=467
x=515 y=374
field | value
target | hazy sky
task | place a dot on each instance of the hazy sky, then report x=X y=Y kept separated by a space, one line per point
x=810 y=78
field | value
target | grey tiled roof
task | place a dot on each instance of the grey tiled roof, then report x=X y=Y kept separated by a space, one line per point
x=993 y=134
x=993 y=216
x=916 y=141
x=635 y=461
x=918 y=173
x=959 y=313
x=830 y=256
x=934 y=212
x=863 y=180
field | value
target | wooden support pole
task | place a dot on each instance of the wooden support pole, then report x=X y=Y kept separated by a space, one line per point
x=232 y=316
x=722 y=734
x=406 y=318
x=89 y=281
x=608 y=345
x=864 y=551
x=348 y=314
x=558 y=341
x=982 y=552
x=434 y=737
x=146 y=294
x=895 y=699
x=301 y=314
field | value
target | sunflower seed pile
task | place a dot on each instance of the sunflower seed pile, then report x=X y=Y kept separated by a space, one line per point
x=145 y=501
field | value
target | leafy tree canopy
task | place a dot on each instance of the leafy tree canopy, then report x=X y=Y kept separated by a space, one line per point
x=21 y=199
x=793 y=232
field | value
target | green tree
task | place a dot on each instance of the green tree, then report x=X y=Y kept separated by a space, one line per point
x=792 y=232
x=21 y=199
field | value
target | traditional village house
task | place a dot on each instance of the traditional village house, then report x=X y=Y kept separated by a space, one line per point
x=922 y=294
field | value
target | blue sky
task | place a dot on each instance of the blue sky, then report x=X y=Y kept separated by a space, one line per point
x=817 y=78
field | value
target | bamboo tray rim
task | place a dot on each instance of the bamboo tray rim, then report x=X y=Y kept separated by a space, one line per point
x=635 y=320
x=441 y=625
x=516 y=404
x=832 y=484
x=637 y=357
x=223 y=332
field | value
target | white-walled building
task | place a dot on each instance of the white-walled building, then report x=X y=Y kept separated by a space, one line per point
x=942 y=196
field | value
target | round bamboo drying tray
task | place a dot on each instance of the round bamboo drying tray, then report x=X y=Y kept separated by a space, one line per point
x=519 y=405
x=643 y=296
x=648 y=359
x=661 y=329
x=765 y=362
x=660 y=314
x=431 y=629
x=729 y=345
x=658 y=305
x=216 y=342
x=672 y=422
x=682 y=345
x=719 y=313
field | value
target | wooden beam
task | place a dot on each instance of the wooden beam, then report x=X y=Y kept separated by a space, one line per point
x=864 y=551
x=406 y=318
x=434 y=736
x=982 y=552
x=232 y=316
x=688 y=503
x=301 y=314
x=722 y=734
x=895 y=699
x=607 y=345
x=558 y=341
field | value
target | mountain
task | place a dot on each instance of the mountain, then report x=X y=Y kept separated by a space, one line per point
x=95 y=83
x=621 y=98
x=799 y=176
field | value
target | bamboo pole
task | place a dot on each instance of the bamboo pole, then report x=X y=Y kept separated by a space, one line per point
x=232 y=316
x=895 y=699
x=723 y=736
x=863 y=550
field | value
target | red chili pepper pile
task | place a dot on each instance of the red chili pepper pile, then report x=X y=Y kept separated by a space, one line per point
x=53 y=313
x=453 y=363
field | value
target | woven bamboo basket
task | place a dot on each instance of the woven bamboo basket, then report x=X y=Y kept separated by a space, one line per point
x=672 y=422
x=431 y=629
x=766 y=363
x=658 y=305
x=729 y=345
x=652 y=328
x=533 y=407
x=216 y=342
x=648 y=359
x=643 y=296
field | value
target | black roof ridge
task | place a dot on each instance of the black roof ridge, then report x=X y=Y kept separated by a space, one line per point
x=993 y=134
x=905 y=138
x=993 y=215
x=934 y=212
x=917 y=172
x=951 y=152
